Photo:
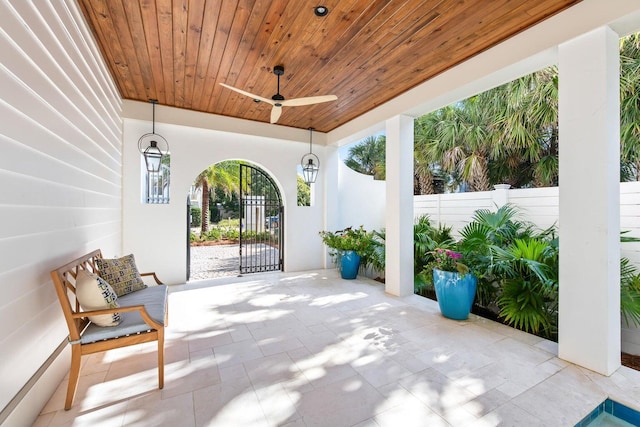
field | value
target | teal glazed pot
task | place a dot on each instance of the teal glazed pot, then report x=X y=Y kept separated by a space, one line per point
x=349 y=265
x=455 y=293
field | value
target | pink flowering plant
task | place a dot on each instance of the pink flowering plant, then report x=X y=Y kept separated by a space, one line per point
x=448 y=260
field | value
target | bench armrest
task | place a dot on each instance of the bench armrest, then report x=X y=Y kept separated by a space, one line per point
x=152 y=273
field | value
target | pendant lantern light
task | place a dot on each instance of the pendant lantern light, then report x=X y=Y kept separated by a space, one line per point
x=310 y=162
x=153 y=146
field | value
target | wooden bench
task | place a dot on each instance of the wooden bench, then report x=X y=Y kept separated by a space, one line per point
x=143 y=319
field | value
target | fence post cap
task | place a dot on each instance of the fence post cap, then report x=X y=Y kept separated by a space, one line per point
x=502 y=186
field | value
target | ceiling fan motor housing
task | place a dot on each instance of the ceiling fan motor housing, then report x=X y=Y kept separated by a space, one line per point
x=278 y=70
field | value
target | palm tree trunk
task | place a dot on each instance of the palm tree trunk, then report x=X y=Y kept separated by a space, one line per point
x=426 y=183
x=416 y=185
x=205 y=207
x=480 y=180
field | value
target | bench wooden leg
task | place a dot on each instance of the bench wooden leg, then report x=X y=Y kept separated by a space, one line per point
x=74 y=373
x=161 y=358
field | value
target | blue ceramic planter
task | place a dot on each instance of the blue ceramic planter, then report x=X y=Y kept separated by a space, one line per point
x=349 y=265
x=455 y=293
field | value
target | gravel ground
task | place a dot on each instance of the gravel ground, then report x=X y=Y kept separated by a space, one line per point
x=208 y=262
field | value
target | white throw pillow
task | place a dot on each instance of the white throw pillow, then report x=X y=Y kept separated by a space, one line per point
x=94 y=293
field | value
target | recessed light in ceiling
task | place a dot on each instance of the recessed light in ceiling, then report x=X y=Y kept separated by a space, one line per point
x=321 y=11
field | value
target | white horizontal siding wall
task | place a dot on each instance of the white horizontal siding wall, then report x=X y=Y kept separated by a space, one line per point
x=539 y=206
x=60 y=174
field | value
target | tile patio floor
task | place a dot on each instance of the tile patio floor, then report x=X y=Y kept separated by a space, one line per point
x=310 y=349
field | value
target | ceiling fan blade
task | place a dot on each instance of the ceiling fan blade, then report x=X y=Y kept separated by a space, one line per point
x=308 y=100
x=276 y=111
x=250 y=95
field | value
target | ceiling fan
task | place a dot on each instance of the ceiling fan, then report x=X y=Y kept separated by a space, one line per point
x=278 y=100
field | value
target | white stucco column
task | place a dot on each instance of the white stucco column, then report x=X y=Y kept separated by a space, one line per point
x=331 y=199
x=589 y=220
x=399 y=209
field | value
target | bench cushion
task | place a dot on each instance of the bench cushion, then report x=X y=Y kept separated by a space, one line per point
x=154 y=298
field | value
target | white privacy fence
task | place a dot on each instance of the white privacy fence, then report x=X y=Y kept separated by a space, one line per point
x=536 y=205
x=540 y=207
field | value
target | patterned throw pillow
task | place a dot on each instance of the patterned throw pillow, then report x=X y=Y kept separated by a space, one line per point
x=121 y=273
x=96 y=294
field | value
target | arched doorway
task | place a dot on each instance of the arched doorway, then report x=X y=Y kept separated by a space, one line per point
x=241 y=232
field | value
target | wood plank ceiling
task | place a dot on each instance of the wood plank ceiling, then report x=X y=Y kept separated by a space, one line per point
x=365 y=52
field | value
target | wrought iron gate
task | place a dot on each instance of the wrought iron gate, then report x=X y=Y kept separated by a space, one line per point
x=261 y=220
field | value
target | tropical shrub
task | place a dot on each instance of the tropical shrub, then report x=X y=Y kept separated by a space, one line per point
x=517 y=268
x=528 y=297
x=376 y=254
x=231 y=234
x=629 y=287
x=629 y=292
x=488 y=230
x=196 y=216
x=214 y=234
x=426 y=238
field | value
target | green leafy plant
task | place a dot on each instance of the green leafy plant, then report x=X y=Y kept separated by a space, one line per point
x=213 y=234
x=426 y=238
x=489 y=229
x=629 y=293
x=529 y=293
x=517 y=268
x=350 y=239
x=196 y=216
x=231 y=234
x=498 y=228
x=376 y=255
